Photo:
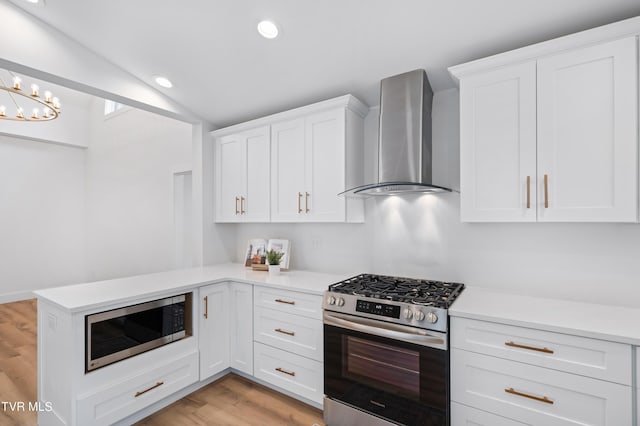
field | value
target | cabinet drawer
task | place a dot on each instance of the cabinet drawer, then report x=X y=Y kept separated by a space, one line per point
x=580 y=355
x=121 y=399
x=461 y=415
x=293 y=333
x=536 y=395
x=308 y=305
x=300 y=375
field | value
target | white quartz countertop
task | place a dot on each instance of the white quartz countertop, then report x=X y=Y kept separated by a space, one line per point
x=606 y=322
x=88 y=296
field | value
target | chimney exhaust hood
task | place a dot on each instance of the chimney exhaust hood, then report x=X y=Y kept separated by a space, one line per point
x=404 y=138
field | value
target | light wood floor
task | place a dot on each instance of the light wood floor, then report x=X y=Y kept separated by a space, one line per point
x=232 y=400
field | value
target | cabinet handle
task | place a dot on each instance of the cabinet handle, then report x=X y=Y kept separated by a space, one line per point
x=158 y=384
x=306 y=202
x=206 y=307
x=242 y=210
x=237 y=199
x=526 y=395
x=290 y=373
x=546 y=191
x=289 y=333
x=528 y=192
x=299 y=201
x=285 y=301
x=531 y=348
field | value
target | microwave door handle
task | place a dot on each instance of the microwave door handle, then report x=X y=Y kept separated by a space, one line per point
x=390 y=331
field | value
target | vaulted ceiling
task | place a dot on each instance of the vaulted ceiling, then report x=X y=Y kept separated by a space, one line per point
x=224 y=71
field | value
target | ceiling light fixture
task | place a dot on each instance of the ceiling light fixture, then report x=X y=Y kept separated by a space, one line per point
x=13 y=94
x=268 y=29
x=33 y=1
x=164 y=82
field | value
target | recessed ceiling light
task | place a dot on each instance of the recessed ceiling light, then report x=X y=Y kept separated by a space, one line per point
x=164 y=82
x=268 y=29
x=33 y=1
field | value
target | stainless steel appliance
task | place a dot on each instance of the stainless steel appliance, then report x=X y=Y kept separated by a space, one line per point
x=121 y=333
x=386 y=357
x=405 y=158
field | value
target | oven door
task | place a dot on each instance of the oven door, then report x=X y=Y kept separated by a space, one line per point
x=396 y=372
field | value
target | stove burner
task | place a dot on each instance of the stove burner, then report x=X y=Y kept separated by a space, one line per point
x=419 y=292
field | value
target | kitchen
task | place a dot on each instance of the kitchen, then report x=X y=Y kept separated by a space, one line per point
x=412 y=236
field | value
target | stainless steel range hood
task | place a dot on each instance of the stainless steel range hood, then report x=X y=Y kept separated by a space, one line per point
x=404 y=138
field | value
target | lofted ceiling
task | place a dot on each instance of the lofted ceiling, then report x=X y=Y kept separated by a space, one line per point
x=225 y=72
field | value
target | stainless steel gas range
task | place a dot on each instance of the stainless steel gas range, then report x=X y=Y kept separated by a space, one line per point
x=386 y=351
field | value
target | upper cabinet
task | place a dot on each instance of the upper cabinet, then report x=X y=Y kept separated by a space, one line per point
x=312 y=154
x=552 y=138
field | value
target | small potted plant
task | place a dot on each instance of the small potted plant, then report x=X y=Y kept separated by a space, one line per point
x=273 y=259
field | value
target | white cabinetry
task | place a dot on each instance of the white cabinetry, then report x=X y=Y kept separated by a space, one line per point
x=214 y=329
x=536 y=377
x=288 y=348
x=242 y=176
x=312 y=154
x=241 y=327
x=552 y=138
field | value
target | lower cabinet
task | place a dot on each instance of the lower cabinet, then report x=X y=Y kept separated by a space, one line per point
x=241 y=327
x=461 y=415
x=120 y=399
x=214 y=329
x=294 y=373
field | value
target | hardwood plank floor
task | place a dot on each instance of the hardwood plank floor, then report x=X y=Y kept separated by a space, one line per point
x=232 y=400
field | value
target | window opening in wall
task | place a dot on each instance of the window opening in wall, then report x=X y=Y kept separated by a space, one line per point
x=111 y=106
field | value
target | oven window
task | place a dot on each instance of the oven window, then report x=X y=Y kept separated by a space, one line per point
x=383 y=366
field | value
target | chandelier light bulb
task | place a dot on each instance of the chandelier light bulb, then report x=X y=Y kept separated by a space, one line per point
x=20 y=113
x=3 y=110
x=16 y=82
x=34 y=90
x=47 y=97
x=36 y=113
x=56 y=103
x=46 y=112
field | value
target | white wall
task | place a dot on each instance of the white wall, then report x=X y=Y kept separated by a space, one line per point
x=41 y=216
x=131 y=162
x=422 y=236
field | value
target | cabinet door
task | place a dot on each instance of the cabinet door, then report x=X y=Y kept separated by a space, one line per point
x=229 y=177
x=255 y=199
x=241 y=327
x=214 y=329
x=325 y=167
x=498 y=145
x=587 y=147
x=287 y=179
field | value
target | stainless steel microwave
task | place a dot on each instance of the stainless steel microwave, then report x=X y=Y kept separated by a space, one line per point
x=118 y=334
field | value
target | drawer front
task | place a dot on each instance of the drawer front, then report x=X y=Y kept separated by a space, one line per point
x=293 y=333
x=121 y=399
x=536 y=395
x=308 y=305
x=300 y=375
x=461 y=415
x=587 y=357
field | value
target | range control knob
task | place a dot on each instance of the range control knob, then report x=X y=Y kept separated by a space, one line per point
x=340 y=301
x=408 y=314
x=419 y=315
x=432 y=317
x=331 y=300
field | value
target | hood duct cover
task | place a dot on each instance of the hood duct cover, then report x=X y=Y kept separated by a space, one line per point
x=404 y=138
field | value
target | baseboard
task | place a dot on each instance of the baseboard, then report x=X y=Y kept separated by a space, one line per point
x=16 y=296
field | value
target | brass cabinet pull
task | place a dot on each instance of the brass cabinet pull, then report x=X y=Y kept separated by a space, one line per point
x=237 y=199
x=285 y=301
x=546 y=191
x=242 y=210
x=531 y=348
x=306 y=202
x=528 y=192
x=299 y=201
x=206 y=307
x=150 y=389
x=526 y=395
x=290 y=333
x=290 y=373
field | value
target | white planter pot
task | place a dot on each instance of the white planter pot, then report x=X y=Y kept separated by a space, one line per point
x=274 y=269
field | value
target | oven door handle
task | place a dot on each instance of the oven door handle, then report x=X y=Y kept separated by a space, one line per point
x=402 y=333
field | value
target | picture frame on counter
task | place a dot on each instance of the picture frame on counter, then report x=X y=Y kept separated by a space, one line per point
x=257 y=248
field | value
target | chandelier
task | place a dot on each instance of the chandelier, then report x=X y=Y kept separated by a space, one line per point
x=28 y=105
